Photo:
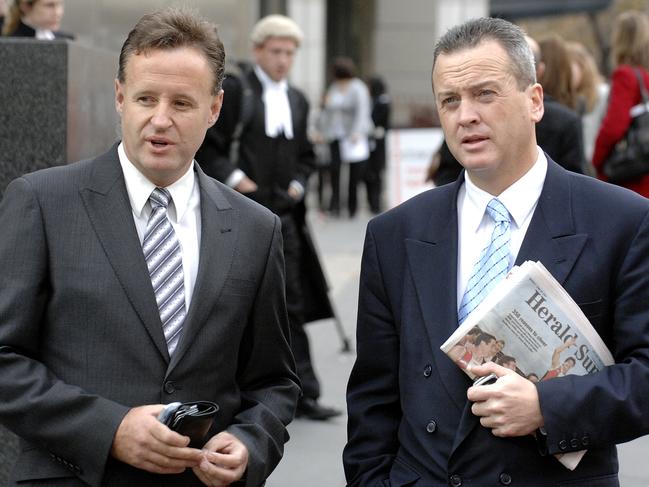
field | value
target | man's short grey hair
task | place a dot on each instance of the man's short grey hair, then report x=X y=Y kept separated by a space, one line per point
x=509 y=36
x=276 y=26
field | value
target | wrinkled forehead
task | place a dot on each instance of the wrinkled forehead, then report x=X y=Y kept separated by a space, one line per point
x=488 y=59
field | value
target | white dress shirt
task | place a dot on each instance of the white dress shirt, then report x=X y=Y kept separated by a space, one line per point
x=475 y=226
x=184 y=213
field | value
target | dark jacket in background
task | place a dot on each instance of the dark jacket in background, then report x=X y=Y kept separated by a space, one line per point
x=23 y=30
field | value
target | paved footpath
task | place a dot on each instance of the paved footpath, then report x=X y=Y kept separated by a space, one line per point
x=313 y=455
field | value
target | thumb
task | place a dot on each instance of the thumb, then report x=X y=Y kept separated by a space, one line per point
x=491 y=367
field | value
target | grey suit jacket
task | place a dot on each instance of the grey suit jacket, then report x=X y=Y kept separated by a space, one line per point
x=81 y=339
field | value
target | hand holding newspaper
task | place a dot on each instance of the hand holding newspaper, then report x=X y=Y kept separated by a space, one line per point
x=530 y=324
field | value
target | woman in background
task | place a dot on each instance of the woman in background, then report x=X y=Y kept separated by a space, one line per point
x=347 y=124
x=630 y=52
x=592 y=93
x=40 y=19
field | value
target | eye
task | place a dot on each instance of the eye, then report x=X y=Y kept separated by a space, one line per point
x=182 y=104
x=450 y=101
x=145 y=100
x=486 y=93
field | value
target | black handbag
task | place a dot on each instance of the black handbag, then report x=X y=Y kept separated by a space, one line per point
x=629 y=159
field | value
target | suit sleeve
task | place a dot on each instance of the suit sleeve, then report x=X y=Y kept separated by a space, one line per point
x=75 y=426
x=269 y=386
x=214 y=154
x=609 y=406
x=373 y=390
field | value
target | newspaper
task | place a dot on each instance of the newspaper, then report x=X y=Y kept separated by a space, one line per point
x=530 y=324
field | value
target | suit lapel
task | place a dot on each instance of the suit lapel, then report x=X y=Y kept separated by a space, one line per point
x=436 y=254
x=218 y=237
x=551 y=236
x=108 y=207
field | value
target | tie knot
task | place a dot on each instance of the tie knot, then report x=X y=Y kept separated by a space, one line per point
x=498 y=212
x=159 y=197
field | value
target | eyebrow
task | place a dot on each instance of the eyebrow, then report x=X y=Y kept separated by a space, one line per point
x=476 y=86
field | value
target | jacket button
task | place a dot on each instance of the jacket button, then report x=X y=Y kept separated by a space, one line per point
x=431 y=427
x=505 y=479
x=455 y=480
x=585 y=441
x=428 y=370
x=563 y=445
x=169 y=387
x=574 y=443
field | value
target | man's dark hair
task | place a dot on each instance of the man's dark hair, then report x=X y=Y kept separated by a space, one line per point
x=509 y=36
x=572 y=359
x=171 y=28
x=484 y=337
x=505 y=359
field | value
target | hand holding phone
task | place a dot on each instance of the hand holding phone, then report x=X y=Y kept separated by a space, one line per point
x=193 y=419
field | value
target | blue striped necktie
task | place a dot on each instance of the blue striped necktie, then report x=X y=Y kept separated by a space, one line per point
x=164 y=259
x=493 y=263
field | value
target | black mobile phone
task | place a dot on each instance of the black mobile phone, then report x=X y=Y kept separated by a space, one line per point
x=485 y=380
x=192 y=419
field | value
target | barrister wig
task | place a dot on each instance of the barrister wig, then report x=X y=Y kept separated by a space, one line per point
x=276 y=26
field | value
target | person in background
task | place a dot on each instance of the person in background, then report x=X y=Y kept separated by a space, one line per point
x=40 y=19
x=559 y=133
x=414 y=417
x=630 y=51
x=274 y=159
x=132 y=280
x=3 y=10
x=347 y=124
x=592 y=92
x=376 y=163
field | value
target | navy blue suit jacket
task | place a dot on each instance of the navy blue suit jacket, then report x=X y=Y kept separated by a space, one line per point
x=409 y=419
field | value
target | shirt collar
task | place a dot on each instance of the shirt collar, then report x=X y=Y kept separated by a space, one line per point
x=139 y=188
x=520 y=198
x=268 y=83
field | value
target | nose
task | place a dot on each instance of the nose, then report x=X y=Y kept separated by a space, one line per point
x=161 y=119
x=467 y=113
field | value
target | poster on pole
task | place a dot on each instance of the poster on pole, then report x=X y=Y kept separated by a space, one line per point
x=409 y=152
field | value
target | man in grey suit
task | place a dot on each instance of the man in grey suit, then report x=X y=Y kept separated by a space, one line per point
x=90 y=350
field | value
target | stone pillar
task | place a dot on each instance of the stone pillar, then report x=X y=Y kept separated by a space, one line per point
x=56 y=104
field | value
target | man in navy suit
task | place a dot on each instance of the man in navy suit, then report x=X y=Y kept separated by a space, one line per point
x=414 y=418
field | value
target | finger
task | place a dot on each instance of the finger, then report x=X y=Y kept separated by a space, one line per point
x=227 y=460
x=491 y=367
x=167 y=436
x=219 y=473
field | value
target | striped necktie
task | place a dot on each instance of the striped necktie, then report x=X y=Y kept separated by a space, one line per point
x=164 y=259
x=493 y=263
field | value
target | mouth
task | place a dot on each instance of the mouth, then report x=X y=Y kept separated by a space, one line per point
x=472 y=140
x=159 y=143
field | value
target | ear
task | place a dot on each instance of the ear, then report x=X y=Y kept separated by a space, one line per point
x=536 y=102
x=119 y=96
x=215 y=108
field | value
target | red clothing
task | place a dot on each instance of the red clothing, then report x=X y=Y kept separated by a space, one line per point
x=624 y=94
